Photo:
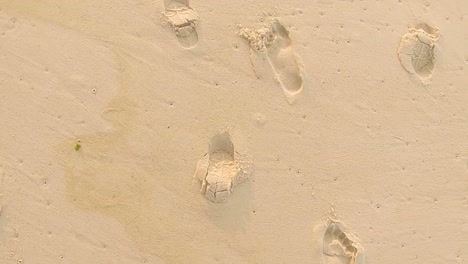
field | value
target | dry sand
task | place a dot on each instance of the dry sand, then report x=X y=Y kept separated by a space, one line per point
x=125 y=127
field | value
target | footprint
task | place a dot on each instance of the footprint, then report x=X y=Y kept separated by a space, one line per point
x=416 y=51
x=273 y=39
x=183 y=20
x=340 y=247
x=221 y=169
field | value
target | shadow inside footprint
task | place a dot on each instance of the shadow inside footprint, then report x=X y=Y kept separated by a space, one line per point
x=183 y=20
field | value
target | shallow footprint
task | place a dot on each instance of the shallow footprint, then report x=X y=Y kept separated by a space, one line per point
x=183 y=20
x=274 y=40
x=340 y=247
x=416 y=51
x=283 y=60
x=221 y=169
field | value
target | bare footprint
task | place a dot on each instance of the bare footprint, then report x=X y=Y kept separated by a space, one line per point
x=183 y=20
x=273 y=39
x=221 y=169
x=336 y=244
x=340 y=246
x=416 y=51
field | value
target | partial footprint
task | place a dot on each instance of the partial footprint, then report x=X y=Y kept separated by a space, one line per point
x=221 y=169
x=341 y=247
x=416 y=51
x=183 y=20
x=274 y=40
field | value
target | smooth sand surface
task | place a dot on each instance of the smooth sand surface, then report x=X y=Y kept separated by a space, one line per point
x=354 y=115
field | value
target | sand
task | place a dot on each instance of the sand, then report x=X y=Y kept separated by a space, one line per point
x=323 y=132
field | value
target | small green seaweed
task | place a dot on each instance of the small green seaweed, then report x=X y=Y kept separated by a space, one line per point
x=77 y=147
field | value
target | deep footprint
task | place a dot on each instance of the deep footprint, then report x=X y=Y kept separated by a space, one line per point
x=221 y=169
x=416 y=51
x=274 y=40
x=183 y=20
x=339 y=247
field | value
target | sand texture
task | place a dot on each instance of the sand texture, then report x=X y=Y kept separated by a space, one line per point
x=233 y=132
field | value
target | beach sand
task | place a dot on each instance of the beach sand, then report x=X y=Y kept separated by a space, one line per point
x=322 y=132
